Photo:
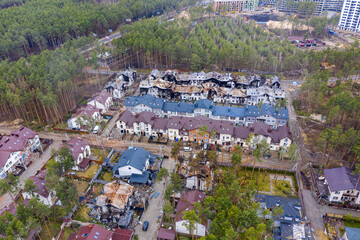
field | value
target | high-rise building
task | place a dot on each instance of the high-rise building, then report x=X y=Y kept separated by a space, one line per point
x=235 y=5
x=350 y=16
x=320 y=5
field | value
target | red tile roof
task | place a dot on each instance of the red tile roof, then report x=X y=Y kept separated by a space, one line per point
x=167 y=234
x=93 y=232
x=122 y=234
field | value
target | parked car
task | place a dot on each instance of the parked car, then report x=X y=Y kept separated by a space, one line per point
x=187 y=149
x=145 y=226
x=96 y=129
x=194 y=155
x=205 y=146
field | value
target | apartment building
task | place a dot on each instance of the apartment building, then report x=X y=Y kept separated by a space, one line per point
x=350 y=16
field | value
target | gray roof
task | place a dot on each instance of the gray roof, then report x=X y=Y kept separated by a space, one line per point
x=266 y=109
x=129 y=118
x=229 y=111
x=178 y=107
x=241 y=132
x=204 y=103
x=147 y=100
x=291 y=206
x=352 y=233
x=341 y=179
x=135 y=157
x=140 y=178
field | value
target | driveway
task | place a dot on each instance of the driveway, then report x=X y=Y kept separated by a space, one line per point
x=110 y=125
x=154 y=209
x=37 y=164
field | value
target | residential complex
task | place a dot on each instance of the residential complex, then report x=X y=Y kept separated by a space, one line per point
x=320 y=5
x=245 y=116
x=235 y=5
x=16 y=149
x=190 y=129
x=218 y=87
x=350 y=16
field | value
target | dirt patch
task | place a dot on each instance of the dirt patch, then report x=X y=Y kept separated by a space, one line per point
x=288 y=25
x=184 y=14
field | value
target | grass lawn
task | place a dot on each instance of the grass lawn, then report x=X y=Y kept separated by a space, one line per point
x=264 y=184
x=97 y=189
x=108 y=177
x=81 y=186
x=82 y=214
x=62 y=125
x=99 y=153
x=90 y=172
x=67 y=232
x=352 y=224
x=282 y=188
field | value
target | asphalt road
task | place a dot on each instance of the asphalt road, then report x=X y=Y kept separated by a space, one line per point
x=154 y=209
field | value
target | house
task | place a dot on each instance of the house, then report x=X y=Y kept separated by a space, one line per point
x=140 y=124
x=41 y=191
x=122 y=234
x=145 y=103
x=166 y=234
x=290 y=224
x=92 y=231
x=238 y=115
x=102 y=101
x=343 y=185
x=16 y=149
x=81 y=116
x=202 y=130
x=81 y=152
x=351 y=233
x=134 y=162
x=116 y=194
x=186 y=203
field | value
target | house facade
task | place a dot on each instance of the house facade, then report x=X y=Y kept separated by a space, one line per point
x=81 y=152
x=81 y=116
x=16 y=149
x=42 y=193
x=185 y=203
x=133 y=162
x=202 y=130
x=343 y=185
x=102 y=101
x=239 y=115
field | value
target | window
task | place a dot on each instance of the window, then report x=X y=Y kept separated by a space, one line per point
x=337 y=192
x=191 y=134
x=335 y=198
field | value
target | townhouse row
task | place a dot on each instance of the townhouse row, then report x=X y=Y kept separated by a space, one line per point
x=202 y=130
x=245 y=116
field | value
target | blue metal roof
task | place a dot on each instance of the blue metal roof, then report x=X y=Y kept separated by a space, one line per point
x=135 y=157
x=178 y=107
x=148 y=100
x=291 y=206
x=140 y=178
x=352 y=233
x=266 y=109
x=204 y=103
x=229 y=111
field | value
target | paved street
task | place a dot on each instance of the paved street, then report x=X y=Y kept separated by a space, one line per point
x=33 y=168
x=110 y=125
x=153 y=211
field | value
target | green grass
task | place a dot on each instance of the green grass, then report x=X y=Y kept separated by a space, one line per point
x=90 y=172
x=99 y=153
x=67 y=232
x=62 y=125
x=98 y=188
x=83 y=214
x=263 y=184
x=108 y=176
x=282 y=188
x=352 y=224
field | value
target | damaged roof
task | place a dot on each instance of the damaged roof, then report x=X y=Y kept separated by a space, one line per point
x=115 y=193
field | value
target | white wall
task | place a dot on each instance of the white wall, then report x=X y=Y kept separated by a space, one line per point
x=181 y=229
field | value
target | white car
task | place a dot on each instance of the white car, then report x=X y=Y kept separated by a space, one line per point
x=187 y=149
x=96 y=129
